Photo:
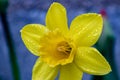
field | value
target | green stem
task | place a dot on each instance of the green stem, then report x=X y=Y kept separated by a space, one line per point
x=13 y=60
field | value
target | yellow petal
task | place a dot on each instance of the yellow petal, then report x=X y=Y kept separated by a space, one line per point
x=56 y=18
x=91 y=61
x=31 y=34
x=86 y=29
x=70 y=72
x=42 y=71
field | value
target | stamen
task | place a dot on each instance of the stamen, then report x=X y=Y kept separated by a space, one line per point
x=64 y=47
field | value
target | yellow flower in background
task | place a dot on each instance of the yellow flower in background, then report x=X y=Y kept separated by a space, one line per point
x=65 y=50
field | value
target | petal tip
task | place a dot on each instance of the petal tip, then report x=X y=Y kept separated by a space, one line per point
x=109 y=69
x=98 y=14
x=55 y=3
x=21 y=31
x=107 y=72
x=95 y=14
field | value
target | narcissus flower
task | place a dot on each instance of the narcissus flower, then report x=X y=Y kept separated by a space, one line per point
x=63 y=50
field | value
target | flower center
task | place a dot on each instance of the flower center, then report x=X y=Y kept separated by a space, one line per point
x=56 y=49
x=64 y=48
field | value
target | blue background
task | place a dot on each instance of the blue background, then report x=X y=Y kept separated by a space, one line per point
x=22 y=12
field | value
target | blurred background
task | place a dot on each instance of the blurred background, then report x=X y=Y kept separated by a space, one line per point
x=16 y=62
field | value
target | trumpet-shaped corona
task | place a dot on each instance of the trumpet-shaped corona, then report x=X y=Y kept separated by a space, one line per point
x=59 y=50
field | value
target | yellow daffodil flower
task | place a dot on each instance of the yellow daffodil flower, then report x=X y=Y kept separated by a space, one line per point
x=63 y=50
